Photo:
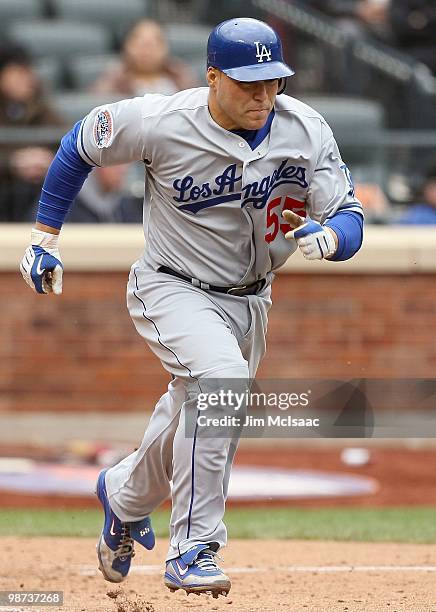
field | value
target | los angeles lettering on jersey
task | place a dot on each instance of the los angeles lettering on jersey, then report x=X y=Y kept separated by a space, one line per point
x=228 y=188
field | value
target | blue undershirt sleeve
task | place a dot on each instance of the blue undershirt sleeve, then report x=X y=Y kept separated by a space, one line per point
x=64 y=179
x=348 y=226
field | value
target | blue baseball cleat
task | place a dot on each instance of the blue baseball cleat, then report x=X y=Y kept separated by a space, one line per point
x=115 y=548
x=196 y=571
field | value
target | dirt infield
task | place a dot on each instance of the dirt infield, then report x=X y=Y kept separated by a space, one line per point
x=266 y=575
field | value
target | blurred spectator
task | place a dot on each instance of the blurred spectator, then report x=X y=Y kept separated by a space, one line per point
x=213 y=12
x=145 y=65
x=22 y=104
x=374 y=201
x=357 y=17
x=424 y=212
x=22 y=100
x=103 y=199
x=413 y=24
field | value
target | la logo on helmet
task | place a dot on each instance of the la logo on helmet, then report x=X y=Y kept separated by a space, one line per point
x=262 y=53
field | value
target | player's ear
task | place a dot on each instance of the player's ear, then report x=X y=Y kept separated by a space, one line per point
x=211 y=76
x=281 y=85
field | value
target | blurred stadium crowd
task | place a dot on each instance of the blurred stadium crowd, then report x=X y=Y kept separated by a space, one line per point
x=369 y=66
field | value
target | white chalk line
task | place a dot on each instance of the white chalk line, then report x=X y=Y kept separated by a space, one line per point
x=91 y=570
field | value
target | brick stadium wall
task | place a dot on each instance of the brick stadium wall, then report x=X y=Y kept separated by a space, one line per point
x=81 y=351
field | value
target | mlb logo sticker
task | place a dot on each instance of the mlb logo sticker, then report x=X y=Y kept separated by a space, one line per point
x=103 y=129
x=262 y=53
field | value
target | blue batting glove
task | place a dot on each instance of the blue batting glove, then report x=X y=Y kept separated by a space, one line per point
x=41 y=265
x=314 y=240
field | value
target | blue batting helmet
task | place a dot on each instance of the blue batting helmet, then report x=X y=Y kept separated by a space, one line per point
x=247 y=50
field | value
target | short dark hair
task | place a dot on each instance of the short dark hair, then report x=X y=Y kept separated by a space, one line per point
x=430 y=173
x=10 y=53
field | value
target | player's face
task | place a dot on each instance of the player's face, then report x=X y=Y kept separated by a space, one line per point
x=236 y=105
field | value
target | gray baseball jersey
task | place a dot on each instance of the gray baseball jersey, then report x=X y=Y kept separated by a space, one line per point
x=215 y=215
x=211 y=195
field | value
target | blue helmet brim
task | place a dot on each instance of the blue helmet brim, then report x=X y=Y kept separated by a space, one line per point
x=259 y=72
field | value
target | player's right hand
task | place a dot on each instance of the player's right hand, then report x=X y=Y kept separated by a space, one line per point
x=41 y=265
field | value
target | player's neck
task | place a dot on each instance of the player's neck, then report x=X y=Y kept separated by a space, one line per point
x=220 y=117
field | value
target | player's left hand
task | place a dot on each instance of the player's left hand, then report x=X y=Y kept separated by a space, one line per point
x=314 y=240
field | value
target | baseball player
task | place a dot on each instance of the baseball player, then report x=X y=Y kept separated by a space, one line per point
x=240 y=176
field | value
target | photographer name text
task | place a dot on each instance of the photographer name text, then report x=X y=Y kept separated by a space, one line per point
x=252 y=421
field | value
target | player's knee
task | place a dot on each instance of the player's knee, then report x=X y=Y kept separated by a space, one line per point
x=238 y=370
x=222 y=394
x=227 y=382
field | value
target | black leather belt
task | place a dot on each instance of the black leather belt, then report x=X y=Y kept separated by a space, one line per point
x=250 y=289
